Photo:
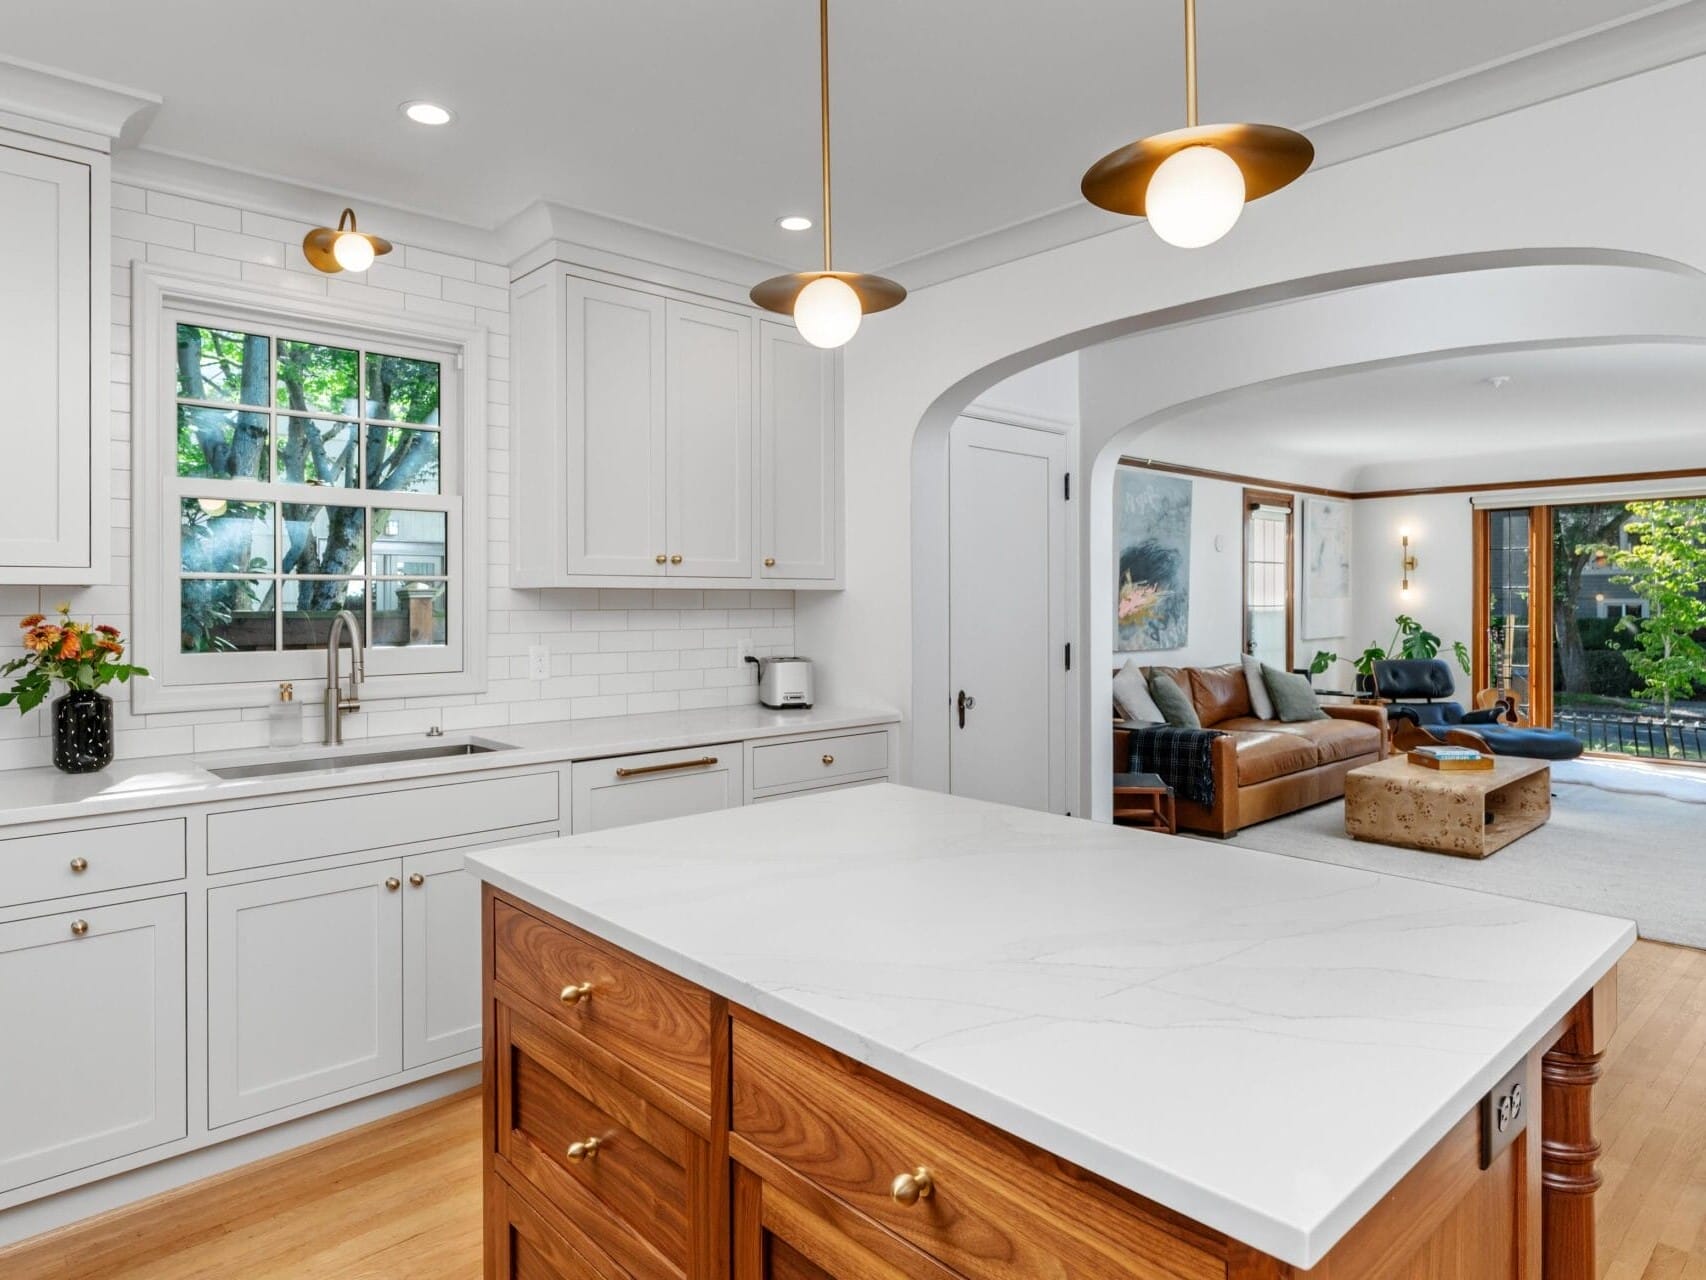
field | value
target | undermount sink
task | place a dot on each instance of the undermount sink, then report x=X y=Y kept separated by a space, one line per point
x=350 y=760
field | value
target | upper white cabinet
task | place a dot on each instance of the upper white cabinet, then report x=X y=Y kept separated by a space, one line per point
x=54 y=282
x=664 y=438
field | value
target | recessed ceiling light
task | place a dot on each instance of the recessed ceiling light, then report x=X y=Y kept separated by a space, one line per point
x=795 y=222
x=427 y=113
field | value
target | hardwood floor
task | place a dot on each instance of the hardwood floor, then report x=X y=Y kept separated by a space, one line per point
x=400 y=1199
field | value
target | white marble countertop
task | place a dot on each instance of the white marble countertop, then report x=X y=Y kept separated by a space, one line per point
x=38 y=795
x=1261 y=1043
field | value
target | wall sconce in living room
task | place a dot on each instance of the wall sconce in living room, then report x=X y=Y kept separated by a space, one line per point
x=342 y=248
x=1409 y=563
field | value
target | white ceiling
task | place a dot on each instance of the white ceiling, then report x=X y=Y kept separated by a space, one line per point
x=954 y=118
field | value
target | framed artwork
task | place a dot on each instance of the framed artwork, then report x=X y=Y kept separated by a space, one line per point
x=1152 y=557
x=1326 y=568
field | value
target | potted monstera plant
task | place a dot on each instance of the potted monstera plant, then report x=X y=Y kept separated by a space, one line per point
x=83 y=657
x=1410 y=639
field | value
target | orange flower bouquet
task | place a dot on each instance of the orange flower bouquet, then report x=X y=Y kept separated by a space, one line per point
x=80 y=655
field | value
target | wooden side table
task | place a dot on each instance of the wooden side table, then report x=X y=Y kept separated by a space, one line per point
x=1142 y=800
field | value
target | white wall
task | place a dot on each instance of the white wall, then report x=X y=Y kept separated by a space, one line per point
x=1441 y=598
x=612 y=652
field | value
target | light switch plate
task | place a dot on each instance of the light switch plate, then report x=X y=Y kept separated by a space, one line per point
x=538 y=662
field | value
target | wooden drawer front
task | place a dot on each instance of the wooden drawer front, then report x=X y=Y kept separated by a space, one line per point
x=385 y=819
x=999 y=1210
x=631 y=1195
x=524 y=1245
x=810 y=764
x=648 y=1019
x=37 y=868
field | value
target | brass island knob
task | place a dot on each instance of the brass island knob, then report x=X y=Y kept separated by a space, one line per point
x=575 y=992
x=584 y=1150
x=910 y=1188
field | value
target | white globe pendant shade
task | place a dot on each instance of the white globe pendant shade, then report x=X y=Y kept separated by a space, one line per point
x=1195 y=197
x=827 y=313
x=353 y=251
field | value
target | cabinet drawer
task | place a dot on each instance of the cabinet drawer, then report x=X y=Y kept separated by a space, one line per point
x=998 y=1208
x=624 y=790
x=37 y=868
x=645 y=1018
x=611 y=1162
x=380 y=820
x=780 y=765
x=527 y=1242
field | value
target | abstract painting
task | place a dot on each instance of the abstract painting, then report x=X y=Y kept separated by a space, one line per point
x=1326 y=568
x=1152 y=554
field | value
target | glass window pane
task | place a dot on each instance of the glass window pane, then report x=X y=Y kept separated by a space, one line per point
x=322 y=540
x=318 y=379
x=409 y=612
x=218 y=364
x=225 y=615
x=316 y=451
x=216 y=536
x=402 y=460
x=408 y=544
x=310 y=606
x=222 y=443
x=402 y=390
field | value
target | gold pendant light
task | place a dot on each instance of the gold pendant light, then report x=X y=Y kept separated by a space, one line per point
x=1192 y=183
x=827 y=305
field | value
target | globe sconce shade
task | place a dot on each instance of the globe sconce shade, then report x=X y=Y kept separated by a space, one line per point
x=342 y=248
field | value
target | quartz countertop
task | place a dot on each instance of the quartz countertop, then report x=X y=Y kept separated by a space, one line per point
x=1264 y=1044
x=38 y=795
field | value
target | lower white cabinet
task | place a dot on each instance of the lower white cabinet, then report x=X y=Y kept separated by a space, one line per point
x=304 y=987
x=93 y=1052
x=620 y=791
x=441 y=958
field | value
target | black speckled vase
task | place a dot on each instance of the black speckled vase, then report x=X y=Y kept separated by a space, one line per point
x=82 y=731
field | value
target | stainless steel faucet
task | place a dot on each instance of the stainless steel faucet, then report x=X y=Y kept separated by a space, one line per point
x=337 y=702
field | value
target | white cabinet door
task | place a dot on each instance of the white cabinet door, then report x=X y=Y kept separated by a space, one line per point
x=92 y=1053
x=441 y=958
x=799 y=456
x=613 y=463
x=709 y=491
x=304 y=987
x=623 y=790
x=47 y=481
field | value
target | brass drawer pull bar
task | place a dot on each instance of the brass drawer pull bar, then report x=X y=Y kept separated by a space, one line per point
x=586 y=1150
x=703 y=762
x=575 y=992
x=910 y=1188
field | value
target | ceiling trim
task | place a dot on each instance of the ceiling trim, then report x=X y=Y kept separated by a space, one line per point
x=1672 y=32
x=77 y=109
x=545 y=230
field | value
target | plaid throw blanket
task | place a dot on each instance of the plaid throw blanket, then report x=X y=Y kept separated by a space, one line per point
x=1182 y=757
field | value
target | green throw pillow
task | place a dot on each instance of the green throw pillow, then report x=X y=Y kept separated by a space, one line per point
x=1173 y=703
x=1294 y=697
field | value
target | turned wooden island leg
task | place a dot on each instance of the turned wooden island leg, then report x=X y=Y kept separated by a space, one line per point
x=1569 y=1151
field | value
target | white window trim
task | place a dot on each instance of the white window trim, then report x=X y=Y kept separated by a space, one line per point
x=153 y=642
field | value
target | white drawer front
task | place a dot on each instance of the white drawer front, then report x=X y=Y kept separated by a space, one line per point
x=812 y=791
x=624 y=790
x=38 y=868
x=382 y=820
x=786 y=765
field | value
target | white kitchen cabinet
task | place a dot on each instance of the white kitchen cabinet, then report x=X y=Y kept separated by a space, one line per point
x=799 y=457
x=54 y=286
x=304 y=987
x=708 y=455
x=441 y=958
x=623 y=790
x=93 y=1052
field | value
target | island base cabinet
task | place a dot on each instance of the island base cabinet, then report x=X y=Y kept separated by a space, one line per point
x=525 y=1243
x=93 y=1054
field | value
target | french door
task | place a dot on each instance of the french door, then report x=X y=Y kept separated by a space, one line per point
x=1512 y=650
x=1268 y=577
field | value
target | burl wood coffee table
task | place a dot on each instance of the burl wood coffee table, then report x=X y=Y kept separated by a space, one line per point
x=1467 y=813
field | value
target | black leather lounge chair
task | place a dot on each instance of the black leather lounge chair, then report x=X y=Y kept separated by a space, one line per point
x=1420 y=709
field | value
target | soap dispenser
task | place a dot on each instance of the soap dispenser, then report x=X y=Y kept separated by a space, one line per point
x=285 y=727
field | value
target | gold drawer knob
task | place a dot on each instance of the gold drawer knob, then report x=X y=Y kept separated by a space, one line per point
x=417 y=879
x=79 y=866
x=393 y=884
x=79 y=927
x=769 y=562
x=586 y=1150
x=662 y=559
x=575 y=992
x=829 y=759
x=910 y=1188
x=675 y=559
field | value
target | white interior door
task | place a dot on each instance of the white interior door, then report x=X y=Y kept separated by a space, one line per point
x=1267 y=580
x=1008 y=575
x=441 y=957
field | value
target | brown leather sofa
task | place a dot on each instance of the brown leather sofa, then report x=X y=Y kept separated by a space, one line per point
x=1265 y=768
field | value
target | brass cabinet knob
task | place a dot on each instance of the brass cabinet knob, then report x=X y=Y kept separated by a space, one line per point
x=79 y=866
x=829 y=759
x=910 y=1188
x=662 y=558
x=79 y=927
x=675 y=559
x=393 y=884
x=417 y=879
x=575 y=992
x=769 y=562
x=584 y=1150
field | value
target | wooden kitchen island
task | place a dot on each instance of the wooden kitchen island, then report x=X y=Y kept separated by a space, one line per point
x=886 y=1033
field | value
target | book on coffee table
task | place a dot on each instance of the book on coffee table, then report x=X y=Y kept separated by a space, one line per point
x=1450 y=759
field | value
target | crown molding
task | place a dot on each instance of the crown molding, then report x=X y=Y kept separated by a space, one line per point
x=72 y=108
x=1658 y=37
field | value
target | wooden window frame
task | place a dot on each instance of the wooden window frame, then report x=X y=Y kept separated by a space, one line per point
x=1539 y=608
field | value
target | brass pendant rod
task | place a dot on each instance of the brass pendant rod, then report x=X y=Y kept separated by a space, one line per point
x=823 y=81
x=1189 y=65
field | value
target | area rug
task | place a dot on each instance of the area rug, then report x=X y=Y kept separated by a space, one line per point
x=1635 y=855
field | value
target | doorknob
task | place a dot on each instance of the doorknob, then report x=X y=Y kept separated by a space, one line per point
x=965 y=702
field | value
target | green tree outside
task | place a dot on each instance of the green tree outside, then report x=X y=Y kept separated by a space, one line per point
x=1665 y=564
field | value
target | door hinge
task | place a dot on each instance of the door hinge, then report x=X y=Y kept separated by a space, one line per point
x=1069 y=486
x=1069 y=655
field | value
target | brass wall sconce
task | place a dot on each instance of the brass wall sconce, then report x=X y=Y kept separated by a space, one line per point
x=1408 y=563
x=342 y=248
